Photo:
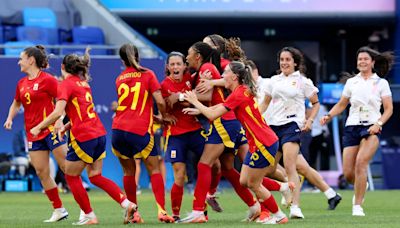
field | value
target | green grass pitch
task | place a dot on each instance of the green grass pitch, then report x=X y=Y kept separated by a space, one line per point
x=29 y=209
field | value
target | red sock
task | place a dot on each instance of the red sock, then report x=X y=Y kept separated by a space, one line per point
x=157 y=185
x=270 y=184
x=202 y=186
x=244 y=193
x=130 y=188
x=79 y=192
x=176 y=198
x=270 y=204
x=108 y=186
x=54 y=197
x=215 y=178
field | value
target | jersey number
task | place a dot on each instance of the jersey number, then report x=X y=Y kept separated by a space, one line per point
x=90 y=108
x=123 y=93
x=28 y=98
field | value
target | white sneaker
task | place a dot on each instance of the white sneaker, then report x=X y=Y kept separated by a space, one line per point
x=86 y=220
x=295 y=212
x=81 y=215
x=58 y=215
x=287 y=194
x=253 y=213
x=358 y=210
x=275 y=220
x=194 y=217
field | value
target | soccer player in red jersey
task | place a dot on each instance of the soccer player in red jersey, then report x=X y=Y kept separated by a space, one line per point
x=262 y=156
x=87 y=137
x=186 y=133
x=36 y=93
x=132 y=134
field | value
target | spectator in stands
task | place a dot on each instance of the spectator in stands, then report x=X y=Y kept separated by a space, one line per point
x=288 y=92
x=36 y=93
x=87 y=138
x=132 y=136
x=366 y=92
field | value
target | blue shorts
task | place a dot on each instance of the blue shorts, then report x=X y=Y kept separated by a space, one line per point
x=227 y=132
x=49 y=143
x=289 y=132
x=262 y=158
x=88 y=151
x=127 y=145
x=178 y=146
x=353 y=135
x=241 y=139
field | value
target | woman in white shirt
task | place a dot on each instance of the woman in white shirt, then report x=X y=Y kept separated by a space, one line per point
x=366 y=92
x=285 y=97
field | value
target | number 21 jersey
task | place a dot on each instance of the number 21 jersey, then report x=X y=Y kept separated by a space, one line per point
x=135 y=101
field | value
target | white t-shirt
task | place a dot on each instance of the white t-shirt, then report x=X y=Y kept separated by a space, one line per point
x=365 y=98
x=288 y=98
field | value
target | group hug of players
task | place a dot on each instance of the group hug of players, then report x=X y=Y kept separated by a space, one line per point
x=212 y=102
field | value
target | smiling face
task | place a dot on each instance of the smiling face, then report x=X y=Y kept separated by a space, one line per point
x=25 y=62
x=286 y=63
x=365 y=64
x=176 y=67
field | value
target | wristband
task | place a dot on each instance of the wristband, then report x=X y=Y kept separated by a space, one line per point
x=181 y=97
x=62 y=117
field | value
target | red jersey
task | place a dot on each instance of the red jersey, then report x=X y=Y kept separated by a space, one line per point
x=218 y=92
x=135 y=101
x=37 y=97
x=224 y=63
x=246 y=109
x=185 y=123
x=85 y=123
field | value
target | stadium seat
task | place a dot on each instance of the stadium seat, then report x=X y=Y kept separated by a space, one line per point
x=37 y=35
x=82 y=35
x=41 y=17
x=14 y=48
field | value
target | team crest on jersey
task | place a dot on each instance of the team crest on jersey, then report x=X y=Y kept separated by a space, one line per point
x=35 y=86
x=173 y=153
x=293 y=83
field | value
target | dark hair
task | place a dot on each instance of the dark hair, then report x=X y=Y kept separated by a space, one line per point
x=130 y=55
x=297 y=57
x=218 y=41
x=208 y=54
x=174 y=53
x=38 y=52
x=243 y=73
x=233 y=49
x=78 y=65
x=383 y=61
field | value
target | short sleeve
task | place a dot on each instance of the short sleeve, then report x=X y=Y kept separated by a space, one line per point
x=385 y=88
x=233 y=100
x=164 y=88
x=154 y=85
x=346 y=90
x=17 y=94
x=309 y=88
x=268 y=88
x=64 y=91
